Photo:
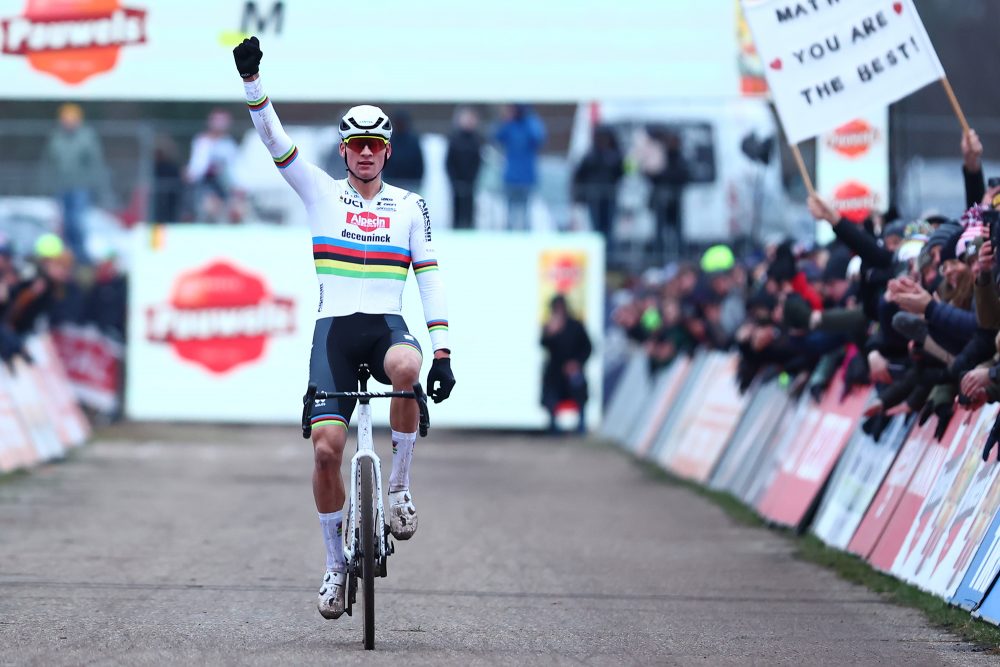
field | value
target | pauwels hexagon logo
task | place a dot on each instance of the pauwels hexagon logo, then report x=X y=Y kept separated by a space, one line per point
x=73 y=40
x=220 y=316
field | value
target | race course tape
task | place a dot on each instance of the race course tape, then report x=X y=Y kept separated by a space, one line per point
x=922 y=510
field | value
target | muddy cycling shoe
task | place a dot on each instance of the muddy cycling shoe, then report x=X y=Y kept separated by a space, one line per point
x=332 y=594
x=402 y=515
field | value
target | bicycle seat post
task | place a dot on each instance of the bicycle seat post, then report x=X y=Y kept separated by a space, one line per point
x=363 y=375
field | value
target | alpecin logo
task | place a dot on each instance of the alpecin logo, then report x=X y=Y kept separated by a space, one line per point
x=220 y=317
x=367 y=221
x=72 y=40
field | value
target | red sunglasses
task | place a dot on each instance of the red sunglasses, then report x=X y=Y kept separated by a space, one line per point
x=359 y=143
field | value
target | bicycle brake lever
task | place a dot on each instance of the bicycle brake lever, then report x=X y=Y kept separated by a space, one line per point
x=425 y=417
x=307 y=406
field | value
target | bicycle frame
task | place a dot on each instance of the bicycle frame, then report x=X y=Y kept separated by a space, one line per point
x=366 y=448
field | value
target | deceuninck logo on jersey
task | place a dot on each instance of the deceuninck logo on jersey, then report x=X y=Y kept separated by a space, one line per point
x=367 y=221
x=220 y=316
x=72 y=40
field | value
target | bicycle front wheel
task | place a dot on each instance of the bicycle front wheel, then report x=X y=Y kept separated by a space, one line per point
x=368 y=527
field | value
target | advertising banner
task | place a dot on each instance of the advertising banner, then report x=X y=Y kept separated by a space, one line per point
x=760 y=419
x=852 y=168
x=683 y=411
x=947 y=533
x=666 y=388
x=855 y=482
x=702 y=440
x=805 y=467
x=826 y=62
x=50 y=378
x=16 y=447
x=926 y=526
x=33 y=410
x=896 y=532
x=891 y=491
x=800 y=417
x=93 y=363
x=221 y=323
x=983 y=569
x=436 y=50
x=634 y=381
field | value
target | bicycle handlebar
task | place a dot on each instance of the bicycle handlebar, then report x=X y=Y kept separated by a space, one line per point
x=312 y=394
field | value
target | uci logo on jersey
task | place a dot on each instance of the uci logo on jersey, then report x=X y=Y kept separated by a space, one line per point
x=349 y=200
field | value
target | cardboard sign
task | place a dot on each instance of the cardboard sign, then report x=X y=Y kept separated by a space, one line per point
x=826 y=62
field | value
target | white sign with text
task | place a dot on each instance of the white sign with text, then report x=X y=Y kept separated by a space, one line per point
x=826 y=61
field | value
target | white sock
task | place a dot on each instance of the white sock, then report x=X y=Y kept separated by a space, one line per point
x=333 y=529
x=402 y=454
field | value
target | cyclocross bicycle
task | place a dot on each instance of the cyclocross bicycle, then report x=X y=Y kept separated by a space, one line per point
x=368 y=547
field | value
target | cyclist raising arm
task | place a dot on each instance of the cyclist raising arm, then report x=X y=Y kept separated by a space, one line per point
x=365 y=234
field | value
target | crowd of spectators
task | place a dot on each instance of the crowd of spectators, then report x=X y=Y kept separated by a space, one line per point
x=909 y=306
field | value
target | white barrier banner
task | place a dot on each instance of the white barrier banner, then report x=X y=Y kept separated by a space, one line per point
x=827 y=61
x=221 y=323
x=319 y=51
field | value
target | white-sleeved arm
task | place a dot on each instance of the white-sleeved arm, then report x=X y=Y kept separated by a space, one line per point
x=425 y=268
x=305 y=178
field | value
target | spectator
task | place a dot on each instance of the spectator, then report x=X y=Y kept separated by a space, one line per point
x=667 y=172
x=106 y=302
x=595 y=181
x=568 y=346
x=405 y=169
x=74 y=170
x=462 y=163
x=167 y=181
x=35 y=296
x=520 y=135
x=209 y=172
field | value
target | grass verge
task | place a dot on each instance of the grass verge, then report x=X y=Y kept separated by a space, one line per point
x=851 y=568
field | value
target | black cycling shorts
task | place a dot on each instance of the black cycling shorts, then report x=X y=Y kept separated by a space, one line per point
x=340 y=345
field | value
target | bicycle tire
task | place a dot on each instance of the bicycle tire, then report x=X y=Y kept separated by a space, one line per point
x=368 y=572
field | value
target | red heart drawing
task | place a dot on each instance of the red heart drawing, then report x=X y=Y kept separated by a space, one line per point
x=897 y=7
x=776 y=64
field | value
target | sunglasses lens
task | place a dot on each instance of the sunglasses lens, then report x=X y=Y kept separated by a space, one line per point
x=358 y=144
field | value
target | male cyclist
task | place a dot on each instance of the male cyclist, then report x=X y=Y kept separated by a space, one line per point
x=366 y=234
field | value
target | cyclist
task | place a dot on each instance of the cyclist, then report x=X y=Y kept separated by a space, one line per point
x=365 y=234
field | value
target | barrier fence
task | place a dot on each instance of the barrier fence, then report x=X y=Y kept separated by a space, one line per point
x=40 y=419
x=924 y=510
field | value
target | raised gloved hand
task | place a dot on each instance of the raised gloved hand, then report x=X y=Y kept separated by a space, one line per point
x=247 y=55
x=441 y=374
x=875 y=424
x=940 y=402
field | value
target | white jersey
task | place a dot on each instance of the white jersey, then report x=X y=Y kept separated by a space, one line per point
x=362 y=249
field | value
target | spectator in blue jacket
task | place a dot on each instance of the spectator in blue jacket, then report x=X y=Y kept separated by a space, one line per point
x=520 y=135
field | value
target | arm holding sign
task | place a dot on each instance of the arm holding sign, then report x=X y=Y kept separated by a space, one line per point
x=853 y=236
x=972 y=168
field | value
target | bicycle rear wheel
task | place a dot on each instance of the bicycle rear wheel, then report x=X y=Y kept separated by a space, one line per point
x=368 y=572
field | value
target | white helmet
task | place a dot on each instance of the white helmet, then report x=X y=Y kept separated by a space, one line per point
x=365 y=120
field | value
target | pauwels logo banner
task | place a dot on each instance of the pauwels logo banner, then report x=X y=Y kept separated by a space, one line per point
x=852 y=166
x=72 y=40
x=220 y=317
x=828 y=60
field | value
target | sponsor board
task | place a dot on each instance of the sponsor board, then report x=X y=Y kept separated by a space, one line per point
x=221 y=322
x=93 y=363
x=891 y=491
x=895 y=535
x=50 y=377
x=665 y=390
x=855 y=481
x=16 y=447
x=702 y=440
x=983 y=569
x=767 y=409
x=804 y=468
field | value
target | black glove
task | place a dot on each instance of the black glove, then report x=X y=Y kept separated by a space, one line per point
x=783 y=267
x=796 y=312
x=247 y=56
x=992 y=440
x=875 y=424
x=857 y=373
x=441 y=374
x=944 y=413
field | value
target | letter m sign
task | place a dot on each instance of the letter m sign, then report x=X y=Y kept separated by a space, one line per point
x=256 y=22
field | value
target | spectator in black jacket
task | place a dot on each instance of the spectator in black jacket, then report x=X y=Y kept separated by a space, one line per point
x=568 y=345
x=596 y=178
x=462 y=162
x=405 y=169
